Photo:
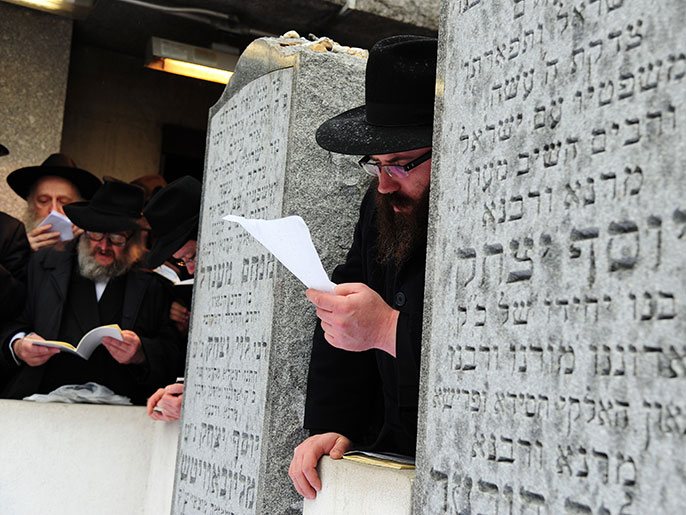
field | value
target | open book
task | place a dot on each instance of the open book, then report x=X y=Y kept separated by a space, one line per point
x=88 y=343
x=169 y=274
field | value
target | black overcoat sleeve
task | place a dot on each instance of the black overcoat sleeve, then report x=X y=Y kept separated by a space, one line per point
x=343 y=388
x=14 y=256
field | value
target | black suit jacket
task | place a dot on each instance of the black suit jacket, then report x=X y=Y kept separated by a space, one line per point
x=14 y=257
x=372 y=397
x=52 y=278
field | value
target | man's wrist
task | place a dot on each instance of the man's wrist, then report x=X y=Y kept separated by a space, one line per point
x=389 y=339
x=139 y=357
x=15 y=356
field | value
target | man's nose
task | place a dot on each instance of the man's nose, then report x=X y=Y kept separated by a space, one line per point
x=57 y=206
x=103 y=244
x=387 y=184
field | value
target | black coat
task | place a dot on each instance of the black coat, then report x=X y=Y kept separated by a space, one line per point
x=371 y=397
x=58 y=296
x=14 y=257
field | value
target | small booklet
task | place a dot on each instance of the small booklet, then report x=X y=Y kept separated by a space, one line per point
x=88 y=343
x=170 y=274
x=60 y=224
x=388 y=459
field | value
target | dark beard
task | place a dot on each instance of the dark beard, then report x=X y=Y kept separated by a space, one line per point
x=91 y=269
x=400 y=234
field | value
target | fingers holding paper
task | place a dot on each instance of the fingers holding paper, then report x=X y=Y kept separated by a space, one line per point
x=356 y=318
x=76 y=231
x=128 y=351
x=32 y=355
x=42 y=236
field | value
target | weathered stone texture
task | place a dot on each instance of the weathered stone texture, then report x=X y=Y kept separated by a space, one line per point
x=554 y=372
x=34 y=63
x=252 y=325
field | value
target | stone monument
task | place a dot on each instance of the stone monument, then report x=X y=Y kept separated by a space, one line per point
x=554 y=359
x=251 y=326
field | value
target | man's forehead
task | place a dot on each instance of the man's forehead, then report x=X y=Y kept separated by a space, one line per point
x=52 y=183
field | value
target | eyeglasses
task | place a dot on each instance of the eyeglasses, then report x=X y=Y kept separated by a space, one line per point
x=394 y=171
x=185 y=261
x=115 y=239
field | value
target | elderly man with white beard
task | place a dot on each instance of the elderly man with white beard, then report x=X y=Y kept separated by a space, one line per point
x=91 y=281
x=49 y=187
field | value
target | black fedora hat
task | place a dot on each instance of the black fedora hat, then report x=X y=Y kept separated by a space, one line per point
x=400 y=87
x=116 y=206
x=57 y=165
x=3 y=151
x=173 y=215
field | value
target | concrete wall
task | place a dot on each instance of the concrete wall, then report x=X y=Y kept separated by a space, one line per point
x=351 y=487
x=75 y=458
x=116 y=108
x=34 y=63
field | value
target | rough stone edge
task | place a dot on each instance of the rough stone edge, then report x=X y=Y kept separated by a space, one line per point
x=420 y=484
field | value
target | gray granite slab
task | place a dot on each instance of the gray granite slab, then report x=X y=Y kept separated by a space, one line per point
x=554 y=364
x=251 y=324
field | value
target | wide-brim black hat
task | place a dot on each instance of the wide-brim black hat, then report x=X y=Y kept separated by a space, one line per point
x=115 y=207
x=173 y=215
x=3 y=150
x=57 y=165
x=400 y=85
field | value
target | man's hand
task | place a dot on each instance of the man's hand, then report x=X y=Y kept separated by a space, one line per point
x=168 y=400
x=76 y=231
x=33 y=355
x=180 y=315
x=303 y=471
x=42 y=237
x=127 y=352
x=356 y=318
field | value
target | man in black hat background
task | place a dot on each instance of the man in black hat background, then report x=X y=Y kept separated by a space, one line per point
x=91 y=281
x=363 y=378
x=173 y=215
x=50 y=186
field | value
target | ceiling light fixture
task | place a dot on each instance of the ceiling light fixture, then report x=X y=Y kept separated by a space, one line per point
x=78 y=9
x=190 y=61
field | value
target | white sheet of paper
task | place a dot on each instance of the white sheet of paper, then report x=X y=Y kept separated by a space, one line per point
x=290 y=241
x=60 y=223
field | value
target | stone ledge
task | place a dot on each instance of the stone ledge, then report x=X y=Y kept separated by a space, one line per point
x=78 y=458
x=351 y=487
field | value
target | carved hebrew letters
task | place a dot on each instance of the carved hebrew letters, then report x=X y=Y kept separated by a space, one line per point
x=557 y=365
x=229 y=344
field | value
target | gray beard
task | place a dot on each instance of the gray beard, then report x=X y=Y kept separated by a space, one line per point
x=91 y=269
x=31 y=219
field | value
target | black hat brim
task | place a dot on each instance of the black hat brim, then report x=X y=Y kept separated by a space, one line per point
x=165 y=246
x=84 y=216
x=350 y=133
x=22 y=179
x=3 y=150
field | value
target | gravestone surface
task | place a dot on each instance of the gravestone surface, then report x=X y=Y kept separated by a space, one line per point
x=251 y=324
x=554 y=360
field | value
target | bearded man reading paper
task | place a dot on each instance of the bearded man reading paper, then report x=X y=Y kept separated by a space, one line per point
x=363 y=379
x=49 y=187
x=91 y=281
